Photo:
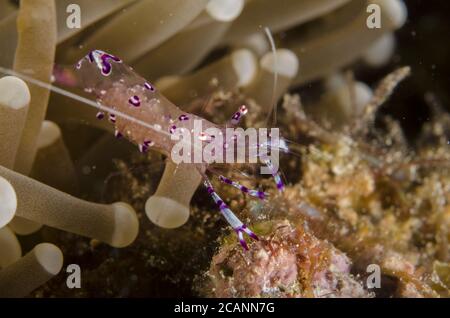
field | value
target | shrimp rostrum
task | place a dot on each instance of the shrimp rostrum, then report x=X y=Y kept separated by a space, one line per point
x=146 y=118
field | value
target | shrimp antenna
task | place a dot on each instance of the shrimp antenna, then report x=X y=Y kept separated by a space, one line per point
x=79 y=98
x=275 y=76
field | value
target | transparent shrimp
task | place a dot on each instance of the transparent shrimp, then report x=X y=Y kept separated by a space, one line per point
x=146 y=118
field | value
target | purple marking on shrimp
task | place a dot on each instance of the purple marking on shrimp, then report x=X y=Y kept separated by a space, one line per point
x=225 y=180
x=249 y=232
x=106 y=64
x=254 y=193
x=239 y=227
x=112 y=118
x=143 y=148
x=240 y=232
x=149 y=143
x=241 y=240
x=91 y=56
x=103 y=61
x=117 y=134
x=149 y=86
x=238 y=114
x=135 y=101
x=172 y=129
x=183 y=117
x=100 y=115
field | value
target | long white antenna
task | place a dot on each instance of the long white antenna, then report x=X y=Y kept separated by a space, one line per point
x=80 y=99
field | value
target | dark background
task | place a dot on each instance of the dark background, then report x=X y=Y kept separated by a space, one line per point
x=423 y=44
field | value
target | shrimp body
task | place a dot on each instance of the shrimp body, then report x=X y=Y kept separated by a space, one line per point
x=133 y=101
x=116 y=85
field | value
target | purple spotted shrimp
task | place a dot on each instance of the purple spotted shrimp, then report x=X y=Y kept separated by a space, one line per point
x=146 y=118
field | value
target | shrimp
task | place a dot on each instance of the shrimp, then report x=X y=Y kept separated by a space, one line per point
x=141 y=114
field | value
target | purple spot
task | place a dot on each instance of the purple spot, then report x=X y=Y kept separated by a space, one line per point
x=135 y=101
x=103 y=60
x=253 y=236
x=100 y=115
x=149 y=143
x=250 y=233
x=227 y=181
x=149 y=86
x=244 y=189
x=91 y=56
x=183 y=117
x=172 y=129
x=143 y=148
x=222 y=205
x=241 y=238
x=243 y=244
x=112 y=118
x=106 y=64
x=244 y=229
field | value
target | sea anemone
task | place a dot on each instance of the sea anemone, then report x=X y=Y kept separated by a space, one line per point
x=355 y=191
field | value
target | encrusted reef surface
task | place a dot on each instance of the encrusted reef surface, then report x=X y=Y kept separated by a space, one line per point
x=288 y=261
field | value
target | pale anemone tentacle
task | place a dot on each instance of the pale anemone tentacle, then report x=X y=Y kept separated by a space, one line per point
x=35 y=55
x=53 y=165
x=237 y=69
x=8 y=202
x=285 y=64
x=185 y=50
x=115 y=224
x=31 y=271
x=345 y=37
x=147 y=32
x=14 y=101
x=343 y=101
x=278 y=15
x=169 y=206
x=10 y=250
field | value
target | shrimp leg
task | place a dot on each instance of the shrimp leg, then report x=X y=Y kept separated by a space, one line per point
x=237 y=225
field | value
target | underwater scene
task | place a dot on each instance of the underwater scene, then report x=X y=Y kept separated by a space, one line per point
x=224 y=149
